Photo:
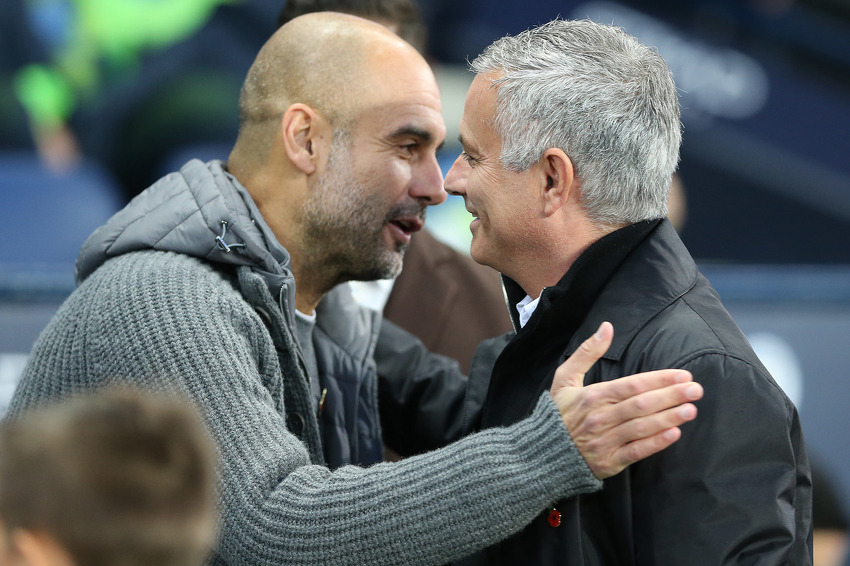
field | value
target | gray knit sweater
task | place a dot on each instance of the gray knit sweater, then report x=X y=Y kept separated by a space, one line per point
x=162 y=319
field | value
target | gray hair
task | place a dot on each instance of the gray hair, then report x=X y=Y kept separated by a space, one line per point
x=595 y=92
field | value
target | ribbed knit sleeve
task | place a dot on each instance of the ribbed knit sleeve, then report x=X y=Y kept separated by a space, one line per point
x=428 y=509
x=162 y=320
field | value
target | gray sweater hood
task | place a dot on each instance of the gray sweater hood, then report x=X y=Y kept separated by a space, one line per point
x=201 y=211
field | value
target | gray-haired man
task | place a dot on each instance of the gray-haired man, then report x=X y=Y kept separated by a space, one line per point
x=570 y=137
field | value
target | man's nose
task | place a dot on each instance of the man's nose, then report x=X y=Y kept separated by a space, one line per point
x=428 y=183
x=455 y=183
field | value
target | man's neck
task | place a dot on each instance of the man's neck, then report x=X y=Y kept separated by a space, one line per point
x=549 y=265
x=311 y=284
x=310 y=287
x=545 y=273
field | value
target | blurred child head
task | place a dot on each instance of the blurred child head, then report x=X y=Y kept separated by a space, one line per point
x=116 y=477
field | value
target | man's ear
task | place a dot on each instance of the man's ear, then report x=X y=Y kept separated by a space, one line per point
x=305 y=133
x=39 y=549
x=559 y=175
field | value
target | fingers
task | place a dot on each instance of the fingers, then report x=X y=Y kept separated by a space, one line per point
x=646 y=403
x=646 y=442
x=609 y=452
x=633 y=385
x=640 y=449
x=617 y=423
x=571 y=372
x=638 y=429
x=600 y=407
x=613 y=430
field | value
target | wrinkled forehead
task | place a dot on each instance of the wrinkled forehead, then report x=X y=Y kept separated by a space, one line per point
x=394 y=95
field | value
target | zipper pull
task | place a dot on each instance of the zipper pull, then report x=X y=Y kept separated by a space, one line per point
x=322 y=402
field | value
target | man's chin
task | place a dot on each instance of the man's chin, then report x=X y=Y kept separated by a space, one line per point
x=478 y=253
x=387 y=266
x=391 y=268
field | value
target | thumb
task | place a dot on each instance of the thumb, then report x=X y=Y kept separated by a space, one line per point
x=571 y=372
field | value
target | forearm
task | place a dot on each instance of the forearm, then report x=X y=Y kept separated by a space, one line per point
x=278 y=507
x=427 y=509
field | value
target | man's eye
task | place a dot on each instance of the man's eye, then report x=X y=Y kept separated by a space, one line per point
x=468 y=158
x=409 y=147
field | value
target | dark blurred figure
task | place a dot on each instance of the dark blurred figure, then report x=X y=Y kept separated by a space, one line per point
x=18 y=47
x=182 y=96
x=442 y=296
x=447 y=300
x=108 y=478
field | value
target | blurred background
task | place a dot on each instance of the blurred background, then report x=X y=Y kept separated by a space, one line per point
x=99 y=98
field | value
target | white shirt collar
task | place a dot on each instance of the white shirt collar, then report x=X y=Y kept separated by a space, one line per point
x=311 y=318
x=372 y=294
x=525 y=308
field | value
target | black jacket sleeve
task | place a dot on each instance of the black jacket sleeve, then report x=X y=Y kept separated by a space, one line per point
x=735 y=489
x=420 y=394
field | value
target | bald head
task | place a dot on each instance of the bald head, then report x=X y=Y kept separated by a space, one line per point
x=325 y=60
x=341 y=121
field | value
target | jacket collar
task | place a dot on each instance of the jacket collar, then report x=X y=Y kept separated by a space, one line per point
x=347 y=324
x=568 y=302
x=658 y=272
x=202 y=211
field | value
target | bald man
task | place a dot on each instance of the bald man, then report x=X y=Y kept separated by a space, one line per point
x=222 y=281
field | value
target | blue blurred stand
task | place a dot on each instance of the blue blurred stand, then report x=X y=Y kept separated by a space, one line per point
x=44 y=219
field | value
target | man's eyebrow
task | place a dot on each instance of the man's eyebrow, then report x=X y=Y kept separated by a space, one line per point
x=423 y=135
x=410 y=130
x=462 y=144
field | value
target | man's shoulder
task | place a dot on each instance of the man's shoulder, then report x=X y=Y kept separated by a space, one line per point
x=155 y=264
x=695 y=321
x=151 y=292
x=695 y=328
x=157 y=275
x=674 y=313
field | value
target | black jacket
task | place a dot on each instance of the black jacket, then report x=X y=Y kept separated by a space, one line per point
x=735 y=489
